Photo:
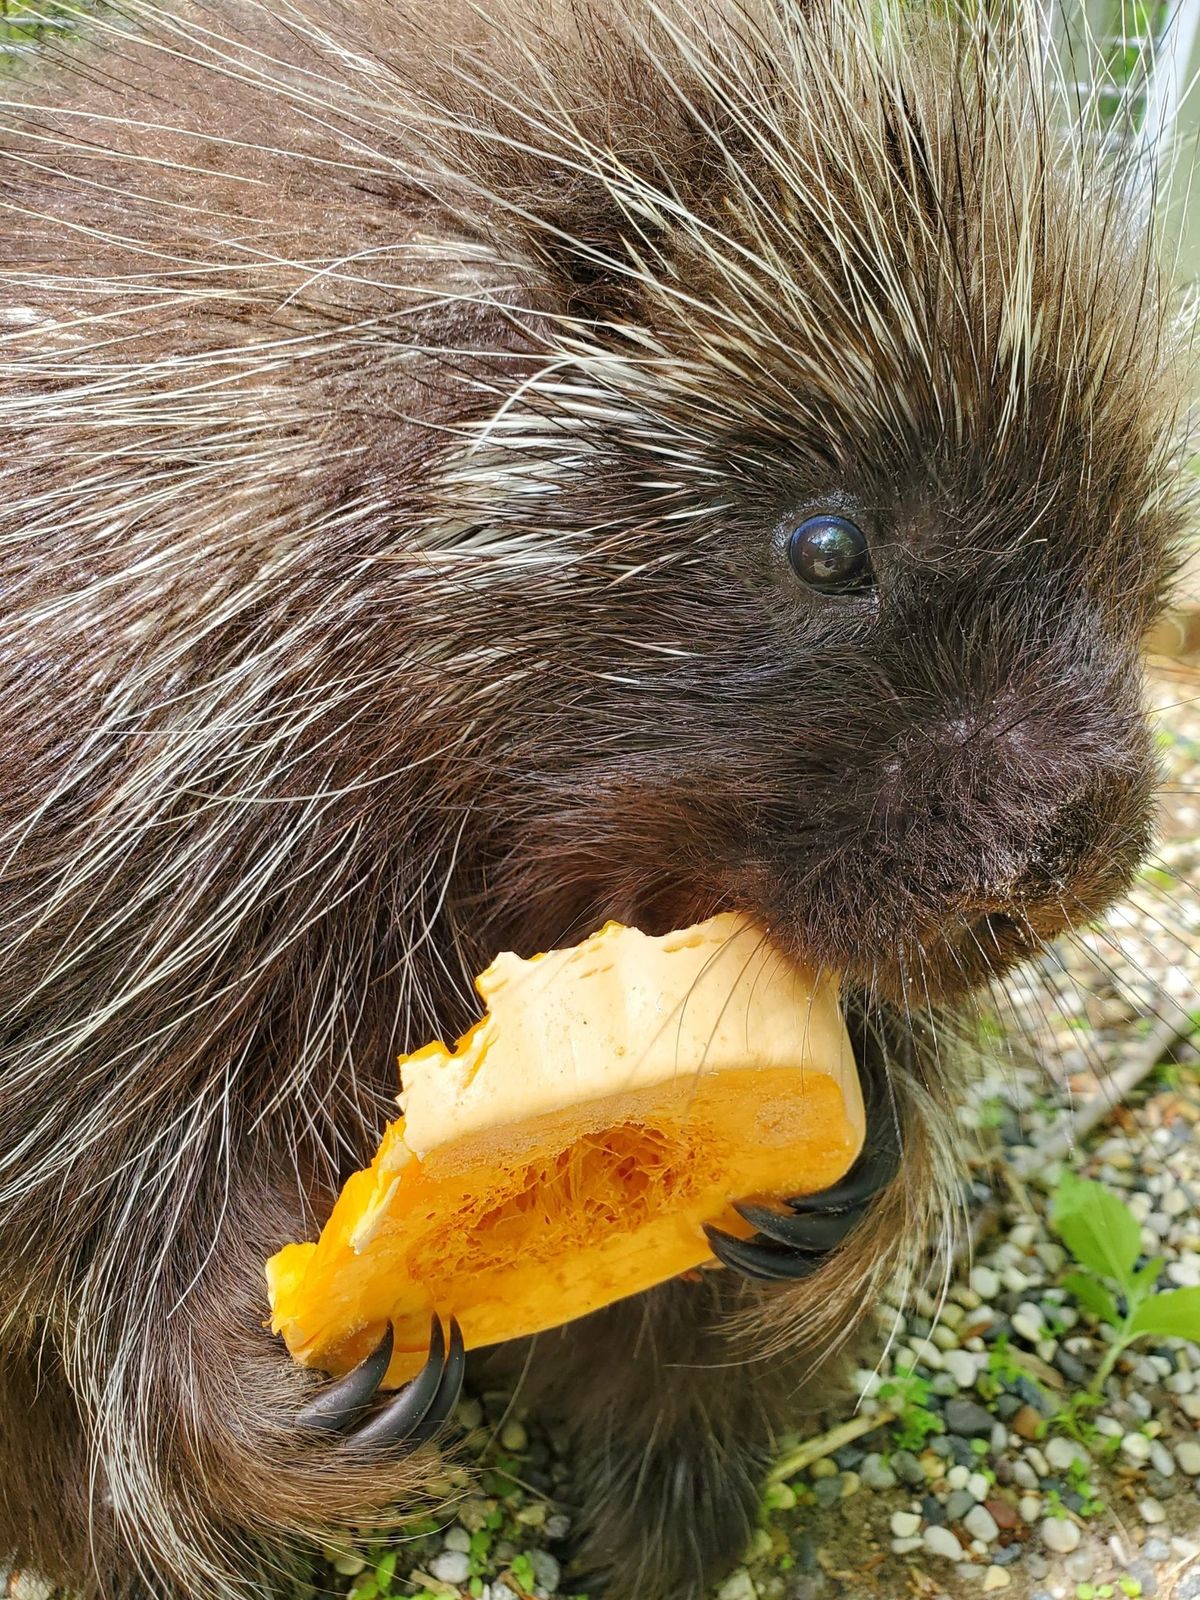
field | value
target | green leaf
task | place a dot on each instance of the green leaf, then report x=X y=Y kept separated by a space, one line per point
x=1097 y=1228
x=522 y=1570
x=1173 y=1315
x=1093 y=1295
x=1146 y=1277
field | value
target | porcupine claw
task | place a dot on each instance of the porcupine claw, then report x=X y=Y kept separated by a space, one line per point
x=413 y=1414
x=792 y=1244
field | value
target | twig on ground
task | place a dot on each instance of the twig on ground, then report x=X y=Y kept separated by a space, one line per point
x=826 y=1443
x=1073 y=1129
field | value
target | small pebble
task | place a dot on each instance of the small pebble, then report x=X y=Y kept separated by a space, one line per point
x=514 y=1437
x=558 y=1526
x=1027 y=1423
x=1060 y=1535
x=958 y=1478
x=451 y=1566
x=928 y=1355
x=1080 y=1564
x=904 y=1524
x=1027 y=1321
x=908 y=1469
x=876 y=1473
x=760 y=1545
x=995 y=1578
x=905 y=1547
x=941 y=1542
x=1030 y=1507
x=958 y=1503
x=1161 y=1488
x=985 y=1283
x=962 y=1367
x=1024 y=1476
x=968 y=1418
x=1052 y=1256
x=1151 y=1511
x=349 y=1565
x=469 y=1413
x=1161 y=1459
x=827 y=1492
x=28 y=1586
x=1072 y=1370
x=1004 y=1513
x=980 y=1524
x=978 y=1485
x=738 y=1587
x=457 y=1539
x=1138 y=1404
x=546 y=1571
x=1187 y=1455
x=1144 y=1574
x=1156 y=1549
x=1136 y=1448
x=1060 y=1453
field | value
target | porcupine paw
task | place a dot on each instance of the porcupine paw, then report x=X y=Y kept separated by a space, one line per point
x=404 y=1420
x=792 y=1243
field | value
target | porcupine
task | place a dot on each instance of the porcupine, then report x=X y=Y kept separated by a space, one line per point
x=467 y=476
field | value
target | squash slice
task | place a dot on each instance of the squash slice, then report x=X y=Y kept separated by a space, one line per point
x=566 y=1152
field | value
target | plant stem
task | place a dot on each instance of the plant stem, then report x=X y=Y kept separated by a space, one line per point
x=1121 y=1343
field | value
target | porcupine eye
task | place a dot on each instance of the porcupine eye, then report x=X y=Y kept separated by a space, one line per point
x=830 y=555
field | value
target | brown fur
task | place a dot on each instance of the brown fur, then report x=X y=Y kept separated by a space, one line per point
x=401 y=419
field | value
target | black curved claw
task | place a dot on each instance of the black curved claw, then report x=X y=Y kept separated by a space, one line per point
x=448 y=1389
x=792 y=1244
x=814 y=1233
x=760 y=1258
x=398 y=1420
x=339 y=1407
x=406 y=1419
x=876 y=1166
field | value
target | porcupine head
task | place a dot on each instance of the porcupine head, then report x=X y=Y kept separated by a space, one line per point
x=469 y=476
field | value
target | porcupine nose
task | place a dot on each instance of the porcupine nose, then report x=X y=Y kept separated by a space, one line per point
x=1013 y=811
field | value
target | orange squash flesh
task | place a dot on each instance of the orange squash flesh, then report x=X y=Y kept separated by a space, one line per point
x=566 y=1152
